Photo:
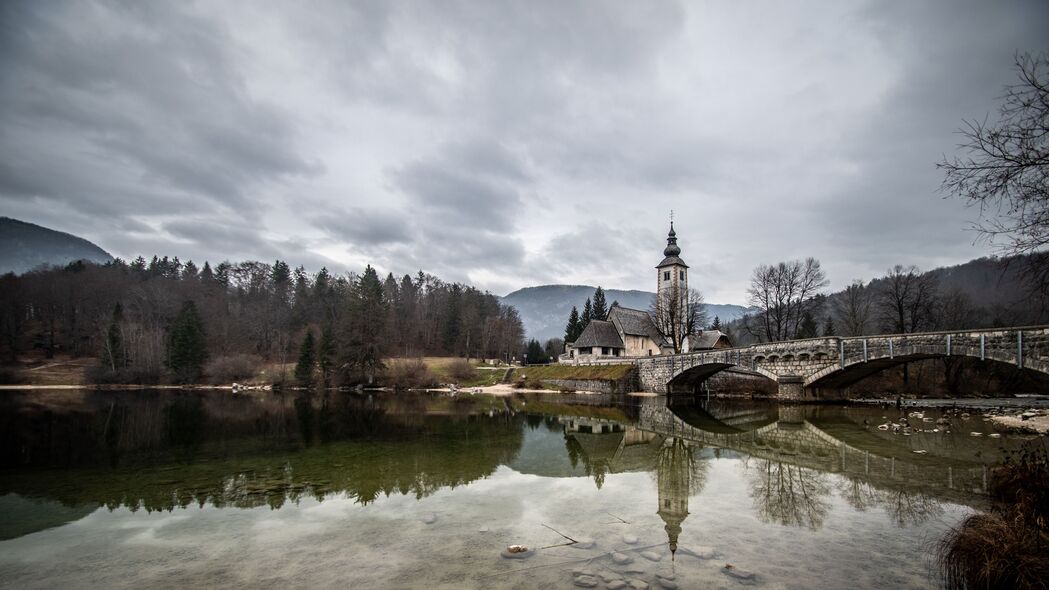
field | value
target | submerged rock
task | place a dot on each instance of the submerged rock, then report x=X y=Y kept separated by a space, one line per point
x=621 y=558
x=517 y=552
x=666 y=583
x=430 y=518
x=747 y=577
x=630 y=539
x=639 y=584
x=608 y=576
x=651 y=555
x=616 y=585
x=583 y=543
x=585 y=581
x=700 y=552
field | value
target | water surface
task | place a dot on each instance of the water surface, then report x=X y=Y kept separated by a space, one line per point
x=172 y=489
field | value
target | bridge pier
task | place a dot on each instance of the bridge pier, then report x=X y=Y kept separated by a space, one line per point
x=791 y=388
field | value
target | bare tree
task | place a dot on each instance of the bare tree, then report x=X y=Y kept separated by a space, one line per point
x=853 y=309
x=678 y=315
x=1006 y=171
x=907 y=299
x=783 y=292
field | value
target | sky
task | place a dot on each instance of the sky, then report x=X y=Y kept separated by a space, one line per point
x=506 y=144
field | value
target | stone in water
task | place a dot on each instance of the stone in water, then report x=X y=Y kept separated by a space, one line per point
x=630 y=539
x=651 y=555
x=585 y=581
x=621 y=558
x=430 y=518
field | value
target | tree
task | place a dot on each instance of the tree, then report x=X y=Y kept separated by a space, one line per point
x=715 y=326
x=783 y=292
x=853 y=308
x=677 y=322
x=588 y=314
x=807 y=328
x=362 y=335
x=186 y=344
x=828 y=327
x=907 y=299
x=326 y=355
x=535 y=353
x=113 y=352
x=1005 y=171
x=600 y=311
x=553 y=348
x=304 y=368
x=574 y=328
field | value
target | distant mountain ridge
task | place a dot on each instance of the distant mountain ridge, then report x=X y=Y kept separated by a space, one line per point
x=544 y=309
x=27 y=246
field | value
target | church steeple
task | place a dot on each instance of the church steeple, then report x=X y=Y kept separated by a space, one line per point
x=672 y=248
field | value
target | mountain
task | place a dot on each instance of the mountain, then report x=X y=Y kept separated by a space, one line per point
x=25 y=246
x=544 y=309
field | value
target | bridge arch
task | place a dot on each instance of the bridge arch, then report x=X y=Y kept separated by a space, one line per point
x=854 y=369
x=688 y=379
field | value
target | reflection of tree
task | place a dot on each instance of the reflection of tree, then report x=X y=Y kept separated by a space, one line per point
x=905 y=506
x=790 y=495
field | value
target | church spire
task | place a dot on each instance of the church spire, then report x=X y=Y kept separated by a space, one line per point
x=672 y=248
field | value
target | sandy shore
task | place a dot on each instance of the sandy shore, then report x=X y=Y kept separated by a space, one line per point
x=1037 y=424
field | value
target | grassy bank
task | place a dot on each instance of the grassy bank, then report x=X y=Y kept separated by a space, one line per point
x=595 y=372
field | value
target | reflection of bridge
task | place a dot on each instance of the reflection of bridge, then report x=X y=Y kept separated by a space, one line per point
x=784 y=435
x=825 y=367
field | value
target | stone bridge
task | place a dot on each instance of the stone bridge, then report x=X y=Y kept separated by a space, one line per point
x=785 y=435
x=823 y=368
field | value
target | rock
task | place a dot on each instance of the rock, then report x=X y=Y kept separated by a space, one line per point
x=665 y=583
x=608 y=576
x=995 y=435
x=430 y=518
x=517 y=552
x=738 y=574
x=920 y=452
x=700 y=552
x=666 y=576
x=651 y=555
x=621 y=558
x=616 y=585
x=585 y=581
x=634 y=569
x=582 y=571
x=975 y=434
x=630 y=539
x=483 y=529
x=639 y=584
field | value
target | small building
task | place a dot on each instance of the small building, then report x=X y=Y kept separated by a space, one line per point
x=710 y=340
x=600 y=338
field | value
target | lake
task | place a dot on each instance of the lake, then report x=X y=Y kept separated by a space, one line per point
x=169 y=489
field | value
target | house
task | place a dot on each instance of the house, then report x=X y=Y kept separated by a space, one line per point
x=633 y=332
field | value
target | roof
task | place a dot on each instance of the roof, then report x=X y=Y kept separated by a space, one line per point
x=670 y=261
x=707 y=339
x=635 y=323
x=599 y=333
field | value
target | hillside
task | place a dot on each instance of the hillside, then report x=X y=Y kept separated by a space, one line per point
x=26 y=246
x=544 y=309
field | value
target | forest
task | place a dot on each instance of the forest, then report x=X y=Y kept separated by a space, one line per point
x=167 y=321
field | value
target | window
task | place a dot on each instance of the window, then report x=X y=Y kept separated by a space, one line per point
x=666 y=275
x=606 y=351
x=649 y=352
x=681 y=274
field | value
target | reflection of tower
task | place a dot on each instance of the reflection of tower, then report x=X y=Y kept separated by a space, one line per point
x=675 y=470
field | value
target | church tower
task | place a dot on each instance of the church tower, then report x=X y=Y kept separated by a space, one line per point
x=672 y=282
x=674 y=476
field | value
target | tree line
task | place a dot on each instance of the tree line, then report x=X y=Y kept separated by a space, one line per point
x=167 y=320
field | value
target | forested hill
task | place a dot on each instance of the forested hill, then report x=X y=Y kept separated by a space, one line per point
x=25 y=246
x=544 y=309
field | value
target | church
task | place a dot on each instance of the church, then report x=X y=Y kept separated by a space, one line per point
x=634 y=332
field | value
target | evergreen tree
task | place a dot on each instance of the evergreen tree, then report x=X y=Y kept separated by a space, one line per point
x=588 y=314
x=186 y=346
x=716 y=324
x=326 y=355
x=600 y=311
x=828 y=327
x=808 y=327
x=535 y=353
x=572 y=330
x=615 y=303
x=304 y=368
x=367 y=317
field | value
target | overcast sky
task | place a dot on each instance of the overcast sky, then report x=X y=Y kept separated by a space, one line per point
x=505 y=144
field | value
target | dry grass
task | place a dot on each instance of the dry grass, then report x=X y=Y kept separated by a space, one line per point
x=598 y=372
x=1008 y=547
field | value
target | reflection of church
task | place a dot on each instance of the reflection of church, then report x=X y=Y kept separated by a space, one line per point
x=674 y=478
x=608 y=447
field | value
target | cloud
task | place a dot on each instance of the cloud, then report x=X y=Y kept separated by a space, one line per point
x=502 y=143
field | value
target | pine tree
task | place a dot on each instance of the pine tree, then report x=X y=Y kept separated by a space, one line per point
x=304 y=368
x=535 y=353
x=716 y=324
x=326 y=355
x=828 y=327
x=588 y=314
x=363 y=333
x=600 y=311
x=807 y=328
x=186 y=346
x=572 y=330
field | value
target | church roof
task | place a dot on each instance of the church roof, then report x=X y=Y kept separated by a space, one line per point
x=635 y=322
x=670 y=261
x=599 y=333
x=707 y=339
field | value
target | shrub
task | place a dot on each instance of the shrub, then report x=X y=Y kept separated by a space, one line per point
x=409 y=374
x=234 y=367
x=461 y=371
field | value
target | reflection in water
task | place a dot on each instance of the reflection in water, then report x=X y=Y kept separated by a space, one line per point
x=62 y=454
